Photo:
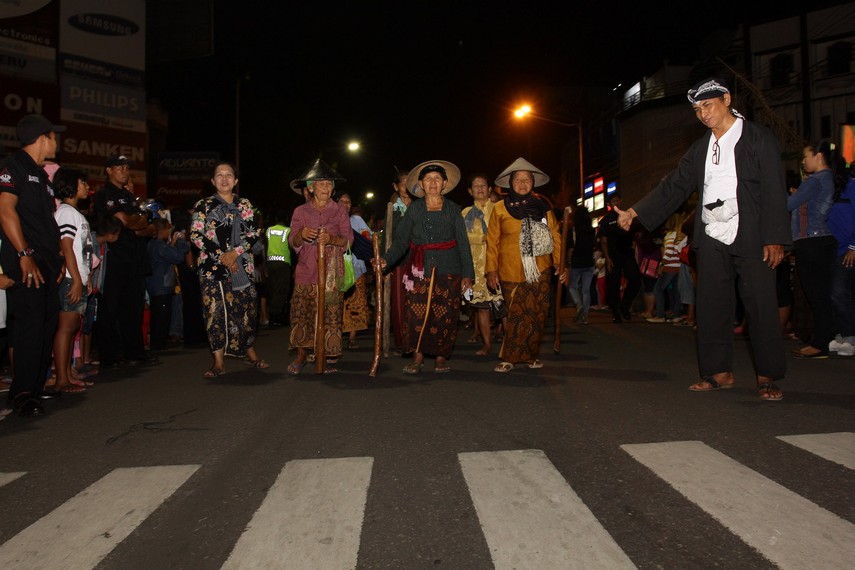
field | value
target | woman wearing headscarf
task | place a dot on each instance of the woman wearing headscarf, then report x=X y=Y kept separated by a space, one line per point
x=224 y=231
x=439 y=268
x=488 y=304
x=320 y=222
x=523 y=245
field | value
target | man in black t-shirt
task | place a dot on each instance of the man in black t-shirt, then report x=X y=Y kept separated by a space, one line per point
x=118 y=329
x=616 y=245
x=30 y=255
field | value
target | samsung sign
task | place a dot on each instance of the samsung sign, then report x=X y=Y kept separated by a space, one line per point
x=103 y=24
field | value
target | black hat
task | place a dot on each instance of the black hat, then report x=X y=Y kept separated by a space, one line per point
x=118 y=160
x=709 y=88
x=31 y=127
x=320 y=170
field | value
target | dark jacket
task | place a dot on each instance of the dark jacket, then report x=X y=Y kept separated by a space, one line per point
x=761 y=193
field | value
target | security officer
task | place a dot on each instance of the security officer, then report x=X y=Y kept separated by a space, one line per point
x=119 y=326
x=278 y=266
x=30 y=255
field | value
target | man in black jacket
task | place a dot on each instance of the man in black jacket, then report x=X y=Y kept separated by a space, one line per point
x=741 y=228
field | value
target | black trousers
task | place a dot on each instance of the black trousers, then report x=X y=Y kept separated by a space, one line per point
x=814 y=259
x=34 y=314
x=718 y=270
x=160 y=316
x=278 y=288
x=118 y=330
x=626 y=267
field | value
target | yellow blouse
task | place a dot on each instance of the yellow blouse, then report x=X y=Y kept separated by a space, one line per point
x=503 y=245
x=478 y=244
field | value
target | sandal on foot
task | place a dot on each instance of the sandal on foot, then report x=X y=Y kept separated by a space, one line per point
x=352 y=345
x=310 y=357
x=708 y=384
x=332 y=360
x=503 y=367
x=258 y=363
x=413 y=368
x=769 y=392
x=441 y=369
x=330 y=370
x=483 y=352
x=536 y=363
x=295 y=368
x=72 y=389
x=213 y=372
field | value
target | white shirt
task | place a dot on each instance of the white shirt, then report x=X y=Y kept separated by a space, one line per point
x=720 y=179
x=72 y=224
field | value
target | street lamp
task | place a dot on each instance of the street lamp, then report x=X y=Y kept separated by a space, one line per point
x=353 y=146
x=526 y=111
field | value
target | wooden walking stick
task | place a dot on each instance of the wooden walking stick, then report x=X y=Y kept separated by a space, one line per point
x=320 y=332
x=378 y=308
x=565 y=226
x=387 y=284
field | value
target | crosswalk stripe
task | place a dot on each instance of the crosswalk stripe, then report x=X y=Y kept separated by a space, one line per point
x=311 y=518
x=836 y=447
x=82 y=531
x=784 y=527
x=532 y=518
x=6 y=478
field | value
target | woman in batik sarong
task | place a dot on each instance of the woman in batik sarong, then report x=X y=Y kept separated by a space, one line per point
x=488 y=304
x=223 y=228
x=523 y=251
x=318 y=223
x=439 y=267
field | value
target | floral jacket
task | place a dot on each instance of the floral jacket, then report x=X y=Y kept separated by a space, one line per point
x=211 y=232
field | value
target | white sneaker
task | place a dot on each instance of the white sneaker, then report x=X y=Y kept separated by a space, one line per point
x=846 y=349
x=836 y=343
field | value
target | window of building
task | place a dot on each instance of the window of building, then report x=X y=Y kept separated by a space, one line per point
x=781 y=69
x=839 y=58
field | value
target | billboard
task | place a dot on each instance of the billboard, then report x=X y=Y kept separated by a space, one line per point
x=87 y=147
x=21 y=97
x=28 y=39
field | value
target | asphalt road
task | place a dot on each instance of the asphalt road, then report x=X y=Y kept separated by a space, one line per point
x=603 y=458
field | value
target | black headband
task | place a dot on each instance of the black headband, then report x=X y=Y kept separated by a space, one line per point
x=433 y=168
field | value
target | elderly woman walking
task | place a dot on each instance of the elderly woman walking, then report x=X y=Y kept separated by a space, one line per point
x=223 y=228
x=439 y=268
x=320 y=222
x=523 y=245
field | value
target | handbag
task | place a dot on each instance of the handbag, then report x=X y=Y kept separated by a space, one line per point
x=348 y=279
x=649 y=267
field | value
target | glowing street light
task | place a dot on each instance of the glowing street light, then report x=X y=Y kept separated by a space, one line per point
x=353 y=146
x=369 y=195
x=526 y=111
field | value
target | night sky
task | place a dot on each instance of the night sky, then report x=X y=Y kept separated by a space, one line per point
x=417 y=82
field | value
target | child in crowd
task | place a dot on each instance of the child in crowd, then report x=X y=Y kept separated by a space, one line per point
x=165 y=250
x=70 y=186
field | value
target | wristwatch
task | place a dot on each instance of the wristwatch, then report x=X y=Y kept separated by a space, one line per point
x=26 y=252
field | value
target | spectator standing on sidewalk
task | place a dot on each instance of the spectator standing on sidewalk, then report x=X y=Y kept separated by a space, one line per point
x=165 y=250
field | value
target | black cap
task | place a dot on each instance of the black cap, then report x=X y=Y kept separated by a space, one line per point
x=118 y=160
x=31 y=127
x=709 y=88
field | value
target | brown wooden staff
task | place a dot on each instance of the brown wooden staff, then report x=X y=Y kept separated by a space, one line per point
x=378 y=308
x=565 y=226
x=387 y=284
x=320 y=332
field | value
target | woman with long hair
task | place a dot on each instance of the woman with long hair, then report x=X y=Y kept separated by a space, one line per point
x=814 y=246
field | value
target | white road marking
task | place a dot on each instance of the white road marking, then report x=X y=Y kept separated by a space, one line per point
x=836 y=447
x=6 y=478
x=82 y=531
x=532 y=518
x=311 y=518
x=784 y=527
